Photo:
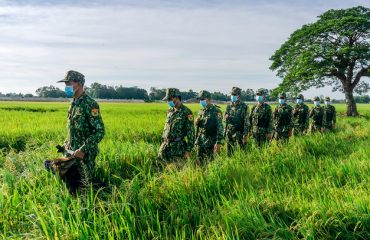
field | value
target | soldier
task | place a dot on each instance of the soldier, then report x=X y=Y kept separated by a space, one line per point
x=330 y=116
x=236 y=119
x=261 y=120
x=283 y=119
x=209 y=128
x=316 y=115
x=85 y=131
x=300 y=116
x=178 y=132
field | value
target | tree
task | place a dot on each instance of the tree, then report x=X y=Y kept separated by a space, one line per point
x=334 y=51
x=50 y=92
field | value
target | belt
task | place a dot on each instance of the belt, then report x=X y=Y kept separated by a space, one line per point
x=175 y=139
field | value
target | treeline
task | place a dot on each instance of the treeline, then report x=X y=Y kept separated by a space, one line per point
x=100 y=91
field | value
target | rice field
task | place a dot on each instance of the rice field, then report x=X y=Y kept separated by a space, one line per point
x=315 y=187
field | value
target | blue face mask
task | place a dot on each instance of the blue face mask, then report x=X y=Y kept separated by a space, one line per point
x=234 y=98
x=281 y=101
x=316 y=103
x=299 y=101
x=259 y=99
x=203 y=103
x=69 y=91
x=171 y=104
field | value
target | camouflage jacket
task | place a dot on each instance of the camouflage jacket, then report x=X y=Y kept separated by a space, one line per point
x=301 y=116
x=85 y=125
x=179 y=126
x=261 y=118
x=236 y=118
x=283 y=117
x=330 y=115
x=209 y=128
x=316 y=114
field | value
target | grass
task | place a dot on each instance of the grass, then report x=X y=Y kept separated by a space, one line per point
x=315 y=187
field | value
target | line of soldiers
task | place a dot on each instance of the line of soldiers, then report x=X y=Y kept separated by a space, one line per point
x=86 y=128
x=260 y=123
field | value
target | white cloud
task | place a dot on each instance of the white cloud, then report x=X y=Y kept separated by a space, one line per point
x=188 y=45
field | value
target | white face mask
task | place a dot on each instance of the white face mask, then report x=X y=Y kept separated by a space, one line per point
x=327 y=103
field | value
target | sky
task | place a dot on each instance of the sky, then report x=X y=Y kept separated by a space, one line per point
x=188 y=44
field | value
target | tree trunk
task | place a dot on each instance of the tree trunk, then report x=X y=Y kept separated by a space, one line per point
x=351 y=104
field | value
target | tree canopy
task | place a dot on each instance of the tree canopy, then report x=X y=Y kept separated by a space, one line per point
x=333 y=51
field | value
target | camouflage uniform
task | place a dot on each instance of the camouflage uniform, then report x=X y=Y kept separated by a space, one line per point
x=316 y=115
x=85 y=131
x=283 y=120
x=300 y=117
x=329 y=117
x=209 y=128
x=178 y=133
x=237 y=124
x=261 y=121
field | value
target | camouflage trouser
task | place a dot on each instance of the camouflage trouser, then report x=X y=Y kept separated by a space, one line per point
x=315 y=128
x=299 y=130
x=327 y=128
x=204 y=153
x=233 y=140
x=79 y=175
x=281 y=135
x=260 y=137
x=171 y=151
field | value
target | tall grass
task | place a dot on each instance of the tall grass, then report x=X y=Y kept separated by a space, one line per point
x=314 y=187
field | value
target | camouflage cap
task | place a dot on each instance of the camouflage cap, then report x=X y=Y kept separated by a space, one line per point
x=236 y=91
x=300 y=96
x=204 y=94
x=74 y=76
x=327 y=99
x=282 y=95
x=170 y=93
x=316 y=98
x=260 y=92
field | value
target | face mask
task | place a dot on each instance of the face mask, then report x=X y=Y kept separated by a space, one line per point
x=69 y=91
x=281 y=101
x=316 y=103
x=259 y=99
x=203 y=103
x=234 y=98
x=327 y=103
x=299 y=101
x=171 y=103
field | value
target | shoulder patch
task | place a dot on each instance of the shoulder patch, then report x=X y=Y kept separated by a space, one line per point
x=219 y=114
x=190 y=117
x=95 y=112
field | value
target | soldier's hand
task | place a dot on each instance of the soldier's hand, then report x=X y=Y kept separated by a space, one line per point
x=269 y=136
x=245 y=139
x=217 y=148
x=226 y=117
x=187 y=154
x=197 y=121
x=290 y=133
x=79 y=154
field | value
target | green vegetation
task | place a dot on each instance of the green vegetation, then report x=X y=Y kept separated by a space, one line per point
x=318 y=187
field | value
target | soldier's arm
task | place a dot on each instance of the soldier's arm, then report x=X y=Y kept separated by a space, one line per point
x=220 y=129
x=334 y=116
x=270 y=120
x=291 y=122
x=307 y=117
x=190 y=134
x=246 y=121
x=97 y=125
x=227 y=114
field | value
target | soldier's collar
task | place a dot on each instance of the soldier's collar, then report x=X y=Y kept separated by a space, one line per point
x=79 y=99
